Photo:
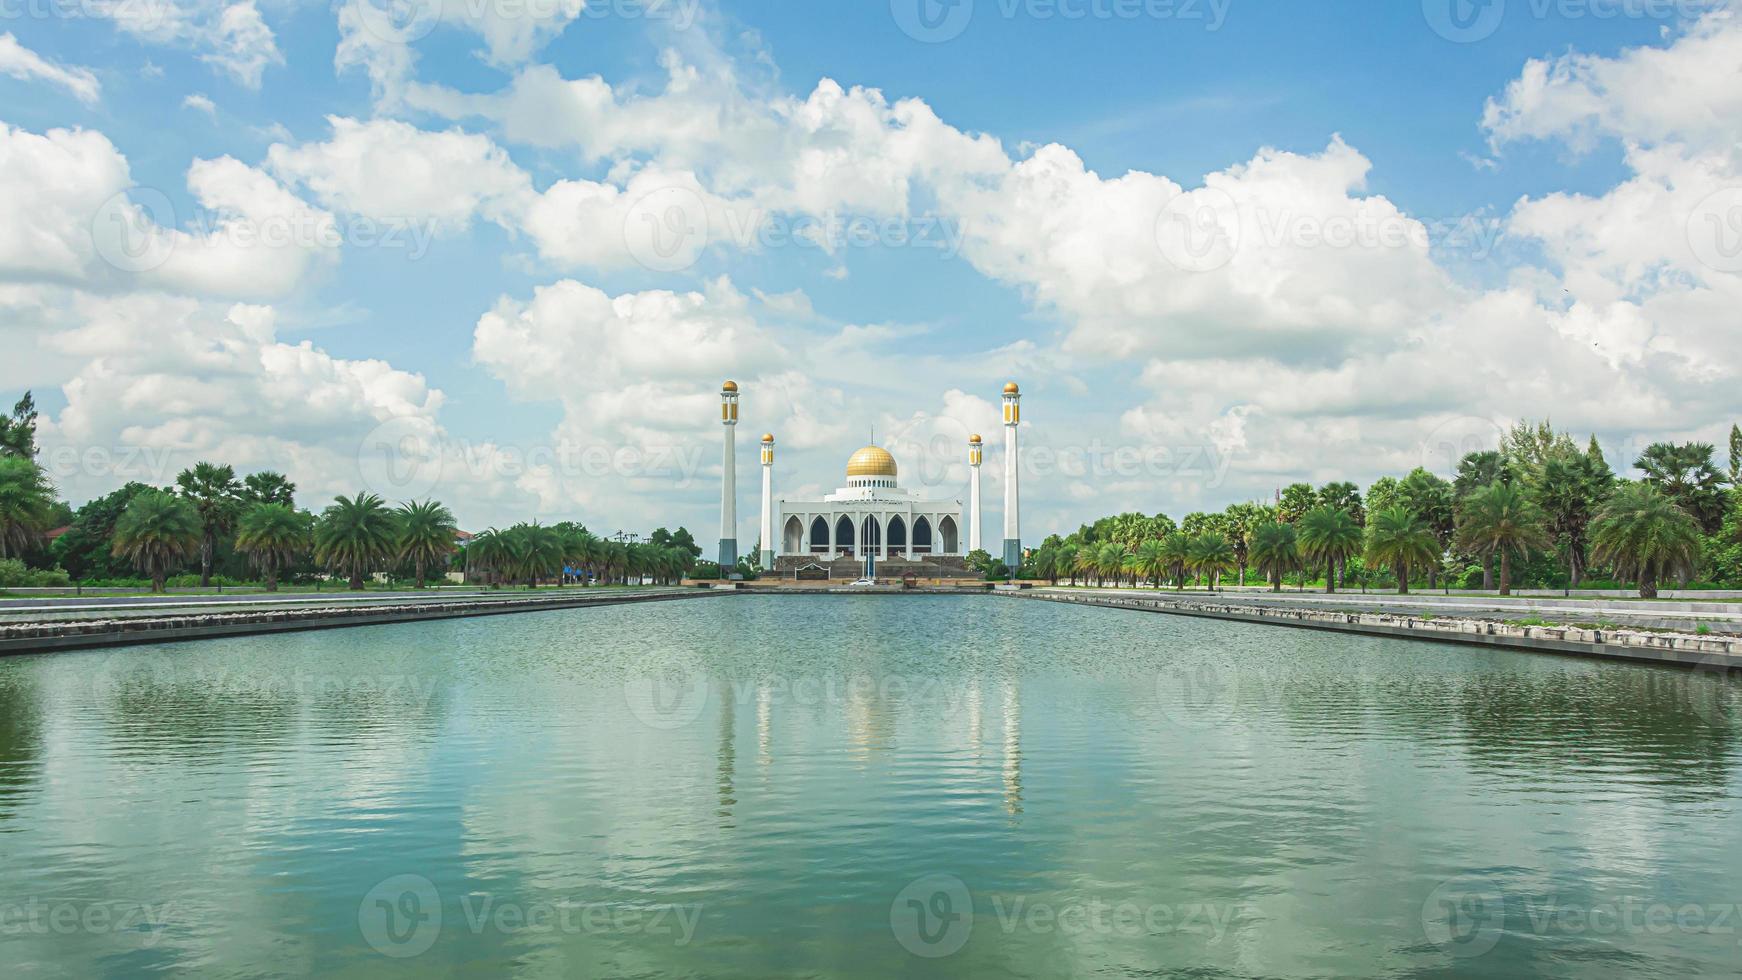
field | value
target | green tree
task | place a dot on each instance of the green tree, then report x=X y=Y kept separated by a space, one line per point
x=1569 y=489
x=1275 y=552
x=158 y=533
x=1067 y=560
x=267 y=487
x=1500 y=520
x=426 y=535
x=1477 y=471
x=1177 y=548
x=1399 y=540
x=1645 y=536
x=1297 y=499
x=536 y=551
x=274 y=536
x=1735 y=454
x=216 y=495
x=1685 y=473
x=26 y=504
x=1328 y=536
x=1385 y=492
x=355 y=535
x=1239 y=520
x=1110 y=562
x=487 y=558
x=1152 y=561
x=1344 y=496
x=1431 y=498
x=1211 y=555
x=86 y=549
x=18 y=433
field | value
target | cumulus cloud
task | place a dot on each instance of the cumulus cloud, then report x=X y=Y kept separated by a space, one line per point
x=231 y=36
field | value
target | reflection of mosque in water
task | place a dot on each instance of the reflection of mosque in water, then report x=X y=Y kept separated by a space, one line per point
x=870 y=722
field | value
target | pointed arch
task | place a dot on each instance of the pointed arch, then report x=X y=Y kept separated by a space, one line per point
x=792 y=537
x=844 y=534
x=819 y=537
x=947 y=532
x=897 y=533
x=921 y=535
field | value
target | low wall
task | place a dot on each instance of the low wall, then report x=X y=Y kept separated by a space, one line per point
x=41 y=636
x=1684 y=650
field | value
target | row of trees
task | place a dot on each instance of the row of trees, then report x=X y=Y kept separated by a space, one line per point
x=1538 y=502
x=215 y=521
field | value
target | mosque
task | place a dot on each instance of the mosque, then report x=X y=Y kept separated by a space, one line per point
x=872 y=516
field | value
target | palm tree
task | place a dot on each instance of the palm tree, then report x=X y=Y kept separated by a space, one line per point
x=1152 y=561
x=1687 y=475
x=26 y=499
x=267 y=487
x=157 y=532
x=1328 y=535
x=1500 y=519
x=1275 y=551
x=1645 y=536
x=354 y=535
x=1067 y=561
x=1398 y=539
x=534 y=551
x=1211 y=555
x=1176 y=550
x=214 y=492
x=273 y=536
x=426 y=534
x=486 y=557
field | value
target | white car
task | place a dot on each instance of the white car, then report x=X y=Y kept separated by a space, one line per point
x=865 y=581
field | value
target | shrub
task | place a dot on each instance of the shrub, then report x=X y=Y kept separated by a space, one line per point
x=14 y=575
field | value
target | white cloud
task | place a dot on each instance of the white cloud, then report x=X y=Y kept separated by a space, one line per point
x=22 y=63
x=200 y=103
x=231 y=36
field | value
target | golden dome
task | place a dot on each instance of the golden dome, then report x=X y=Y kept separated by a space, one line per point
x=871 y=461
x=974 y=440
x=767 y=437
x=729 y=386
x=1010 y=388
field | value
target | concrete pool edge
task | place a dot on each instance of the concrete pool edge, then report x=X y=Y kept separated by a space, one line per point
x=1615 y=644
x=50 y=636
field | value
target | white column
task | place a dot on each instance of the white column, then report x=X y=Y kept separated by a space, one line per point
x=974 y=455
x=1012 y=523
x=768 y=547
x=728 y=480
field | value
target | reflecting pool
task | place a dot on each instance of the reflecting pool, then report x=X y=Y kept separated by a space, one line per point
x=864 y=786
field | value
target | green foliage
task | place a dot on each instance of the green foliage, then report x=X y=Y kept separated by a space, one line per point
x=18 y=433
x=1685 y=473
x=1275 y=551
x=354 y=536
x=1501 y=520
x=274 y=536
x=1210 y=554
x=15 y=575
x=425 y=535
x=1329 y=536
x=158 y=532
x=217 y=496
x=1399 y=540
x=1644 y=535
x=1297 y=499
x=979 y=560
x=267 y=487
x=26 y=504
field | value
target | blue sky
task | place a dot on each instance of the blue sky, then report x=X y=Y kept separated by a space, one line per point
x=1285 y=360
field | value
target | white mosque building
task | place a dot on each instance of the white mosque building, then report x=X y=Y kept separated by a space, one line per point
x=872 y=515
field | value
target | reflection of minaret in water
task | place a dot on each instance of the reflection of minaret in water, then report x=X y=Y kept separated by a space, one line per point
x=974 y=719
x=728 y=753
x=764 y=726
x=1012 y=748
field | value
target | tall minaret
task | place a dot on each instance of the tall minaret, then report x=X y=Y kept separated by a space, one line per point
x=974 y=492
x=1012 y=525
x=768 y=501
x=728 y=481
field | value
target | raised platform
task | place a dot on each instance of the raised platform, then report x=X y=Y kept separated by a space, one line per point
x=799 y=568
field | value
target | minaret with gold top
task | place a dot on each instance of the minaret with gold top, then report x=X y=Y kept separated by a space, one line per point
x=975 y=451
x=728 y=481
x=1012 y=524
x=767 y=555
